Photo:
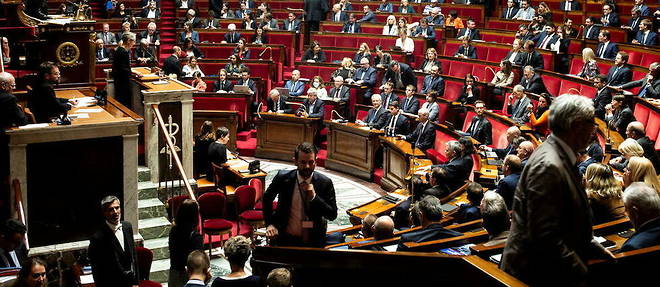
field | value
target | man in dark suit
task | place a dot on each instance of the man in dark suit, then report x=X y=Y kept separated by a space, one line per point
x=510 y=10
x=609 y=18
x=199 y=269
x=620 y=73
x=102 y=53
x=338 y=15
x=312 y=107
x=12 y=247
x=291 y=23
x=470 y=32
x=121 y=70
x=306 y=201
x=377 y=115
x=551 y=236
x=400 y=75
x=364 y=76
x=591 y=31
x=466 y=51
x=532 y=57
x=480 y=128
x=193 y=19
x=512 y=133
x=517 y=106
x=388 y=96
x=42 y=101
x=410 y=103
x=276 y=103
x=315 y=13
x=645 y=36
x=430 y=215
x=151 y=34
x=546 y=39
x=606 y=49
x=437 y=179
x=11 y=115
x=569 y=5
x=108 y=37
x=423 y=137
x=112 y=249
x=223 y=85
x=351 y=26
x=246 y=81
x=211 y=21
x=458 y=166
x=524 y=34
x=650 y=83
x=603 y=96
x=506 y=187
x=232 y=36
x=172 y=65
x=636 y=131
x=642 y=205
x=342 y=94
x=396 y=123
x=145 y=54
x=425 y=30
x=532 y=82
x=151 y=12
x=368 y=15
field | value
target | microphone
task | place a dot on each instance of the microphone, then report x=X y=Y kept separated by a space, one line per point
x=259 y=109
x=336 y=113
x=264 y=51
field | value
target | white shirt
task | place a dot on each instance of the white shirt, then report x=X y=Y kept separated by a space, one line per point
x=296 y=216
x=13 y=257
x=152 y=14
x=190 y=71
x=408 y=46
x=119 y=234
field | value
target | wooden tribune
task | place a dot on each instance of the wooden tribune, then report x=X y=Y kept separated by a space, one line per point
x=397 y=155
x=352 y=148
x=279 y=134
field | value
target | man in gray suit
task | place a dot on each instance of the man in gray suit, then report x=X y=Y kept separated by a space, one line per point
x=518 y=110
x=551 y=228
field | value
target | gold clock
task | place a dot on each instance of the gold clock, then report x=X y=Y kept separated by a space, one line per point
x=68 y=54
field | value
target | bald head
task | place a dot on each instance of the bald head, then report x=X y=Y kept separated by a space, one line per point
x=7 y=82
x=525 y=149
x=512 y=133
x=635 y=130
x=367 y=225
x=383 y=228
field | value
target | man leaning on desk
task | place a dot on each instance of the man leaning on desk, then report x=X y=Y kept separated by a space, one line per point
x=312 y=107
x=42 y=101
x=276 y=103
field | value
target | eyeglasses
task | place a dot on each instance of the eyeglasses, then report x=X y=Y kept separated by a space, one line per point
x=37 y=275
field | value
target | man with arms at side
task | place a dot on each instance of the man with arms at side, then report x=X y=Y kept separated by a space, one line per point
x=603 y=96
x=42 y=101
x=636 y=131
x=312 y=107
x=121 y=70
x=198 y=267
x=643 y=208
x=112 y=249
x=306 y=202
x=620 y=73
x=315 y=13
x=423 y=136
x=511 y=168
x=11 y=114
x=396 y=123
x=480 y=127
x=551 y=236
x=430 y=215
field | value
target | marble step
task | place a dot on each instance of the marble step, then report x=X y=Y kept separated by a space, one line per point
x=150 y=208
x=144 y=173
x=156 y=227
x=160 y=270
x=149 y=189
x=159 y=246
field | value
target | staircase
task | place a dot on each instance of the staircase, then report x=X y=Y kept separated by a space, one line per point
x=167 y=28
x=246 y=142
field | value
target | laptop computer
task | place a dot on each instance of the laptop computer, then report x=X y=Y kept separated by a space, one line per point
x=241 y=89
x=283 y=92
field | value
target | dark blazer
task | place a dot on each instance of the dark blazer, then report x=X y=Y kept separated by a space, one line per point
x=602 y=99
x=430 y=32
x=145 y=13
x=534 y=85
x=621 y=119
x=43 y=103
x=464 y=99
x=358 y=56
x=551 y=228
x=538 y=40
x=423 y=137
x=344 y=93
x=407 y=75
x=401 y=125
x=321 y=208
x=591 y=32
x=376 y=118
x=385 y=60
x=458 y=171
x=441 y=190
x=250 y=83
x=147 y=52
x=347 y=27
x=649 y=151
x=503 y=152
x=296 y=25
x=507 y=187
x=387 y=99
x=620 y=76
x=343 y=16
x=613 y=20
x=112 y=266
x=208 y=23
x=369 y=76
x=225 y=85
x=216 y=6
x=121 y=73
x=513 y=12
x=283 y=106
x=518 y=110
x=409 y=105
x=535 y=60
x=264 y=38
x=249 y=26
x=309 y=55
x=316 y=10
x=652 y=90
x=482 y=132
x=172 y=65
x=232 y=39
x=646 y=236
x=317 y=109
x=408 y=9
x=10 y=114
x=432 y=232
x=429 y=62
x=471 y=52
x=650 y=39
x=433 y=83
x=385 y=7
x=103 y=53
x=368 y=17
x=181 y=242
x=610 y=52
x=474 y=34
x=575 y=6
x=518 y=60
x=216 y=153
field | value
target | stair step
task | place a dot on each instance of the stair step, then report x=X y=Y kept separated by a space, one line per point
x=150 y=208
x=247 y=148
x=144 y=173
x=244 y=135
x=159 y=246
x=147 y=189
x=152 y=228
x=160 y=270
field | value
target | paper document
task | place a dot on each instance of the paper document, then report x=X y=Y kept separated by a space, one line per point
x=89 y=110
x=33 y=126
x=79 y=116
x=159 y=82
x=390 y=248
x=491 y=154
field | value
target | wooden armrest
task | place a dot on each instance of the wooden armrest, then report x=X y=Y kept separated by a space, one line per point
x=448 y=242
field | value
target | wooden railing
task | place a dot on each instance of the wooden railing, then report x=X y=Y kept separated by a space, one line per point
x=175 y=156
x=18 y=202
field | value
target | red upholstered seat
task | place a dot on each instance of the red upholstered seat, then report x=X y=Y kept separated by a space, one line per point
x=569 y=87
x=437 y=154
x=453 y=90
x=443 y=107
x=576 y=66
x=148 y=283
x=460 y=69
x=251 y=215
x=642 y=113
x=217 y=224
x=144 y=259
x=552 y=84
x=496 y=54
x=653 y=124
x=450 y=50
x=259 y=205
x=499 y=133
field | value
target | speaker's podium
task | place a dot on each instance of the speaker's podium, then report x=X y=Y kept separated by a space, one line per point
x=352 y=148
x=279 y=134
x=64 y=171
x=398 y=162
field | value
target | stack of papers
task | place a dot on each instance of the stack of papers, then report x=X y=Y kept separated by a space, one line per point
x=33 y=126
x=89 y=110
x=85 y=102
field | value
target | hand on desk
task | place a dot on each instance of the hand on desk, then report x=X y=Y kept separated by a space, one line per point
x=271 y=232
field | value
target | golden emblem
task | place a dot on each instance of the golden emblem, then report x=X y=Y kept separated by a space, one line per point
x=68 y=54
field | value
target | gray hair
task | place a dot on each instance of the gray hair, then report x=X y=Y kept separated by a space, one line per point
x=518 y=88
x=431 y=207
x=529 y=68
x=455 y=146
x=339 y=78
x=237 y=249
x=642 y=196
x=492 y=204
x=567 y=110
x=376 y=96
x=128 y=36
x=108 y=200
x=423 y=111
x=273 y=92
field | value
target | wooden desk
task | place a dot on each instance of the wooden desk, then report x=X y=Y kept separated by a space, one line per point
x=238 y=167
x=65 y=171
x=278 y=135
x=352 y=148
x=397 y=155
x=228 y=119
x=380 y=206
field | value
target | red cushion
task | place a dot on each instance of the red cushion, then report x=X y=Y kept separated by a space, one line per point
x=149 y=283
x=217 y=224
x=252 y=215
x=435 y=156
x=260 y=205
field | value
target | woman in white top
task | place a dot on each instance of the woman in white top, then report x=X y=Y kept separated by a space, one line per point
x=318 y=85
x=503 y=77
x=515 y=56
x=406 y=44
x=391 y=28
x=191 y=68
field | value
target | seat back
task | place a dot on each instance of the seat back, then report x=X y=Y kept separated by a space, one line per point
x=173 y=205
x=144 y=259
x=258 y=186
x=245 y=195
x=212 y=205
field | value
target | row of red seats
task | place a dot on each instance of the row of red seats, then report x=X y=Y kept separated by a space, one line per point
x=495 y=52
x=346 y=40
x=649 y=114
x=287 y=39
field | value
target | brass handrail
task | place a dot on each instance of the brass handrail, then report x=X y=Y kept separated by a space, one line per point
x=170 y=145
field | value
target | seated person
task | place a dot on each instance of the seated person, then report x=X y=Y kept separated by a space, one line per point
x=512 y=133
x=12 y=235
x=314 y=54
x=291 y=23
x=246 y=81
x=388 y=96
x=424 y=30
x=619 y=115
x=532 y=82
x=434 y=81
x=438 y=181
x=366 y=231
x=42 y=101
x=232 y=36
x=628 y=148
x=102 y=53
x=222 y=85
x=636 y=131
x=470 y=32
x=524 y=151
x=469 y=92
x=32 y=274
x=518 y=110
x=604 y=193
x=218 y=153
x=645 y=36
x=396 y=123
x=495 y=218
x=430 y=216
x=11 y=114
x=312 y=107
x=295 y=86
x=470 y=211
x=643 y=207
x=466 y=50
x=145 y=54
x=351 y=26
x=383 y=229
x=377 y=115
x=423 y=136
x=584 y=160
x=400 y=74
x=364 y=76
x=237 y=250
x=410 y=103
x=432 y=106
x=276 y=103
x=458 y=166
x=480 y=127
x=506 y=187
